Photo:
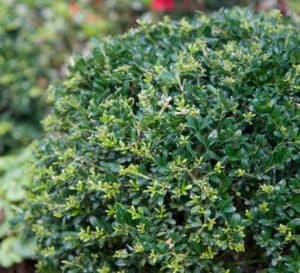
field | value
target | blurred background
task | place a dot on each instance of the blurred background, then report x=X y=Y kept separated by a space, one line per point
x=37 y=40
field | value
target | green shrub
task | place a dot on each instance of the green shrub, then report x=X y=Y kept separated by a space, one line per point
x=37 y=38
x=175 y=148
x=31 y=35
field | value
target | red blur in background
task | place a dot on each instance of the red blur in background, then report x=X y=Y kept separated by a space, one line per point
x=163 y=5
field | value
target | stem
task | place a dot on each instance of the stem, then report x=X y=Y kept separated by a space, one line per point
x=283 y=6
x=248 y=262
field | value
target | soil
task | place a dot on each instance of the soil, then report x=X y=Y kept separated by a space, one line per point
x=25 y=267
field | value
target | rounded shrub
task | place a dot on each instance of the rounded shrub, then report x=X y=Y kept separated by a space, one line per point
x=175 y=148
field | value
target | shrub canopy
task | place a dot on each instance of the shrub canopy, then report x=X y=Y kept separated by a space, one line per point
x=175 y=148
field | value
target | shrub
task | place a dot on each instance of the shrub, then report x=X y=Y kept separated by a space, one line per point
x=29 y=30
x=28 y=33
x=175 y=148
x=31 y=35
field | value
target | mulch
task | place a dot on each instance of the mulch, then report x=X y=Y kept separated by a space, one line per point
x=25 y=267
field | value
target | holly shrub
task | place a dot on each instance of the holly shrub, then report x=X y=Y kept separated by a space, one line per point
x=175 y=148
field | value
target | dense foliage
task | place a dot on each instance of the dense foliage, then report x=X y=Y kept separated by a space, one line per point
x=175 y=148
x=37 y=38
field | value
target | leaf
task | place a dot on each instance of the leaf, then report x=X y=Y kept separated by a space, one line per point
x=122 y=215
x=235 y=220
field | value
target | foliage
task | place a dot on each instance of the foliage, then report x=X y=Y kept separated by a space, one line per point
x=14 y=175
x=20 y=66
x=175 y=148
x=25 y=73
x=36 y=37
x=31 y=35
